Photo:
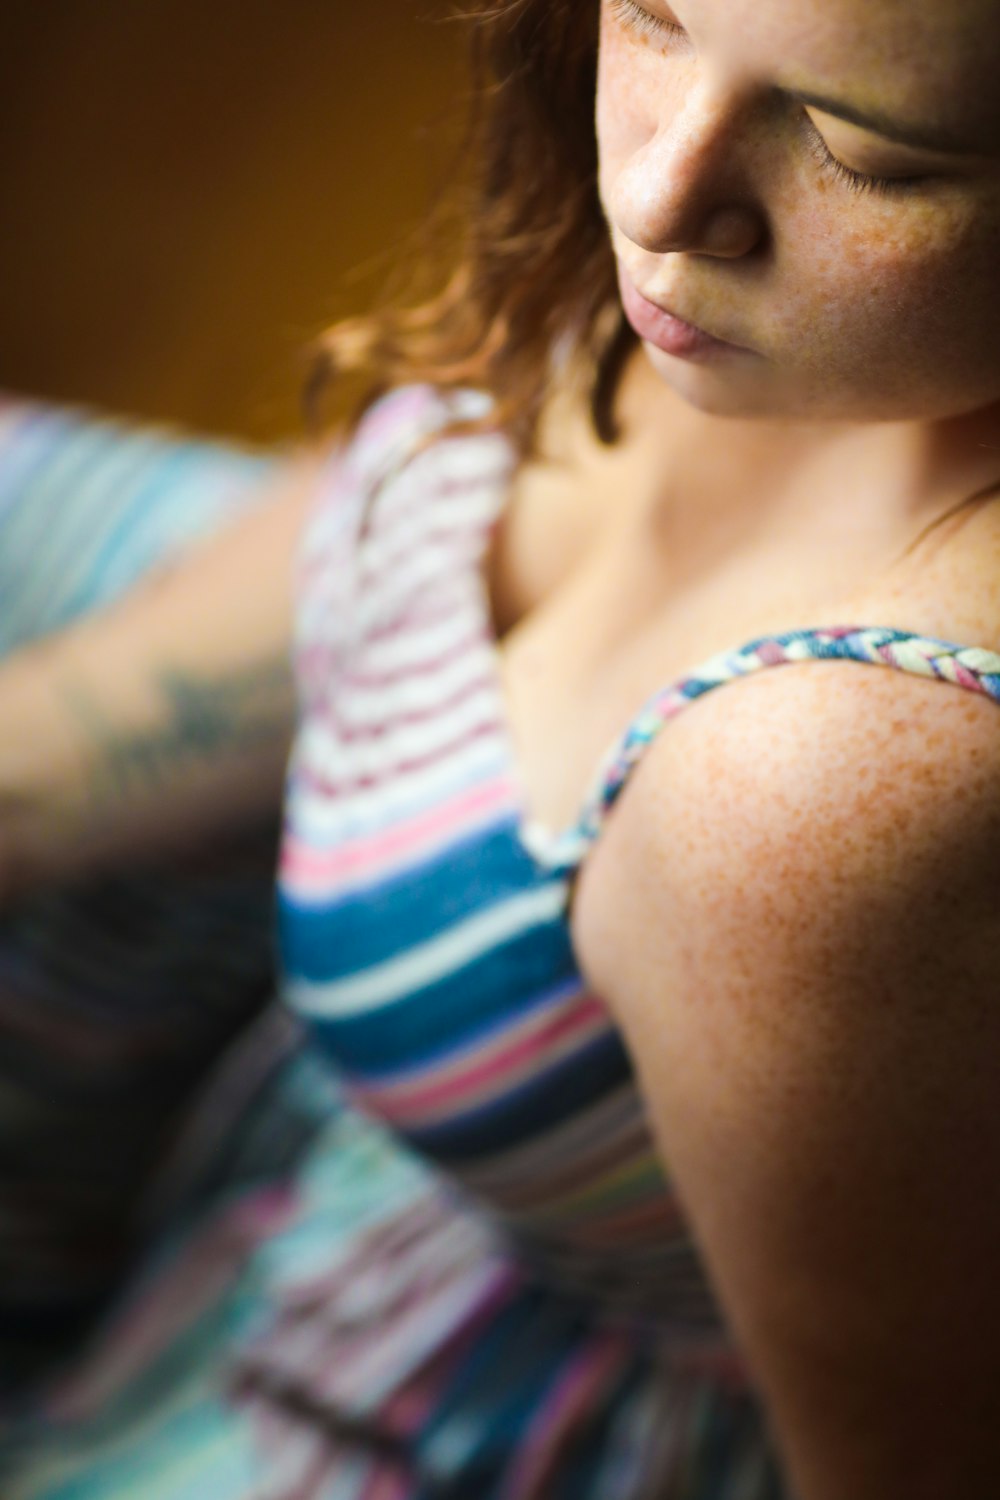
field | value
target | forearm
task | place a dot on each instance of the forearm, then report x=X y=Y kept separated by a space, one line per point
x=162 y=719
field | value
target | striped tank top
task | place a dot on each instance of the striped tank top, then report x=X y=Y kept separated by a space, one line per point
x=536 y=1323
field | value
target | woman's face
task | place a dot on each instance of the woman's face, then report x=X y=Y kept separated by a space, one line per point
x=818 y=182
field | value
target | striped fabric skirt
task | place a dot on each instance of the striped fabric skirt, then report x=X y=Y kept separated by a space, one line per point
x=118 y=997
x=218 y=1280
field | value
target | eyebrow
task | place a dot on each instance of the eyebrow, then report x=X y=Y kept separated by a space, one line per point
x=920 y=137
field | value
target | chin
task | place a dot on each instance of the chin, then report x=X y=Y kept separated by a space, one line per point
x=714 y=390
x=759 y=391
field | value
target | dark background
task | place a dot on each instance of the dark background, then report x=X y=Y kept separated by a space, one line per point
x=190 y=190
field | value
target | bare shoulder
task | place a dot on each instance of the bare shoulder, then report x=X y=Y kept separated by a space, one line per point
x=801 y=938
x=805 y=781
x=816 y=816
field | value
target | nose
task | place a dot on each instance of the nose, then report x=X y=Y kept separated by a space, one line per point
x=684 y=189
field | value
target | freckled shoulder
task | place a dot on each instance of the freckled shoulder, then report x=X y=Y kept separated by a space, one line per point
x=792 y=913
x=797 y=788
x=807 y=783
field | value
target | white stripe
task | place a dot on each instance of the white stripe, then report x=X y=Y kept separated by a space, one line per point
x=429 y=962
x=798 y=650
x=414 y=465
x=326 y=818
x=334 y=759
x=444 y=472
x=423 y=642
x=420 y=692
x=458 y=518
x=408 y=1337
x=432 y=565
x=979 y=659
x=327 y=616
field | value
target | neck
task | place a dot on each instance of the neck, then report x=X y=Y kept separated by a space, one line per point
x=912 y=472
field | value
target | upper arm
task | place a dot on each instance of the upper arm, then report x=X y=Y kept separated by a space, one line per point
x=163 y=718
x=805 y=960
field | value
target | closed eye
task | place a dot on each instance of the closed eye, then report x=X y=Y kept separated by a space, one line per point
x=642 y=22
x=858 y=182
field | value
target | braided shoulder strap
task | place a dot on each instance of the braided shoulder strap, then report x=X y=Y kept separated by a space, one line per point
x=970 y=667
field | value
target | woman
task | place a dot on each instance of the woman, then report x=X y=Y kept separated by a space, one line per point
x=788 y=918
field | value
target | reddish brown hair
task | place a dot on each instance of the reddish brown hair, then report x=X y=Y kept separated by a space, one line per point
x=534 y=299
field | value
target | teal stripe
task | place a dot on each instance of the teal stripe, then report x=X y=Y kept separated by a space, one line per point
x=197 y=1449
x=89 y=504
x=189 y=491
x=65 y=525
x=26 y=441
x=70 y=448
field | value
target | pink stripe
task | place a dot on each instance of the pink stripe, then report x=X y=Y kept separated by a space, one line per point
x=561 y=1417
x=395 y=1102
x=319 y=659
x=446 y=487
x=492 y=728
x=387 y=1484
x=452 y=543
x=966 y=678
x=772 y=655
x=401 y=626
x=401 y=840
x=394 y=411
x=408 y=1409
x=422 y=667
x=365 y=733
x=428 y=617
x=449 y=486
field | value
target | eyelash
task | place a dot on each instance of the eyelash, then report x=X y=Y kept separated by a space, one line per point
x=643 y=24
x=857 y=182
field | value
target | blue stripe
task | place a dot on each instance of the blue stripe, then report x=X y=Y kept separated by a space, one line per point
x=539 y=1104
x=504 y=982
x=492 y=1395
x=482 y=1033
x=54 y=491
x=407 y=909
x=590 y=1466
x=22 y=448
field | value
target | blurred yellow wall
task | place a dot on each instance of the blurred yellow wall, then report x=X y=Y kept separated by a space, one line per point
x=192 y=190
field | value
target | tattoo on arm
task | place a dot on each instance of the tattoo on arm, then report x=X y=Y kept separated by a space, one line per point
x=203 y=722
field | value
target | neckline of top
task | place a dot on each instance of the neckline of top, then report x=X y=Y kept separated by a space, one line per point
x=974 y=668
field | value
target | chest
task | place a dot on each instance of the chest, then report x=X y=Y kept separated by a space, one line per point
x=625 y=595
x=643 y=607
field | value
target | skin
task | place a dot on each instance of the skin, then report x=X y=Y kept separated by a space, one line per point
x=857 y=304
x=792 y=910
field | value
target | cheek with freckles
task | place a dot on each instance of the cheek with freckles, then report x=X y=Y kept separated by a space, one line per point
x=897 y=303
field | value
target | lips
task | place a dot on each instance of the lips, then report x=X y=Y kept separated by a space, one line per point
x=656 y=325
